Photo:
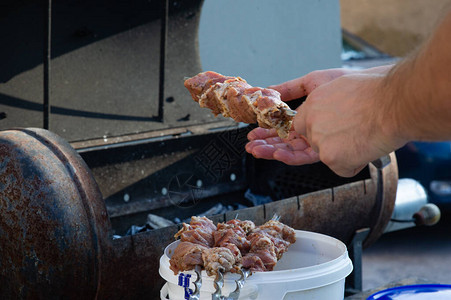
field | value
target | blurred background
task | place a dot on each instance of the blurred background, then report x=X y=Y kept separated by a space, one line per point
x=395 y=27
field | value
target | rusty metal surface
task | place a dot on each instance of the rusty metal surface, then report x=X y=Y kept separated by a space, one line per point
x=390 y=185
x=53 y=223
x=132 y=271
x=337 y=212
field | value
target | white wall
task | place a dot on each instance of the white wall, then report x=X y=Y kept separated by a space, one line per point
x=269 y=41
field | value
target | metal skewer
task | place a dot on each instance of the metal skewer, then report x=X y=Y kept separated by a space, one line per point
x=198 y=283
x=245 y=273
x=275 y=217
x=290 y=112
x=239 y=284
x=219 y=284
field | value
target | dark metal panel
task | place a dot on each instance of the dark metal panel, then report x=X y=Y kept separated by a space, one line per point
x=104 y=66
x=163 y=45
x=47 y=56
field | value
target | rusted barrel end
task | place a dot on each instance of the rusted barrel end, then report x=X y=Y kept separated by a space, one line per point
x=53 y=222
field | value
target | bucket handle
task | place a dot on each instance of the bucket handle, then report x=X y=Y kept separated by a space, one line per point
x=164 y=292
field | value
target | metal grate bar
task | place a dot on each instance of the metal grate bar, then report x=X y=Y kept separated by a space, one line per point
x=163 y=45
x=47 y=55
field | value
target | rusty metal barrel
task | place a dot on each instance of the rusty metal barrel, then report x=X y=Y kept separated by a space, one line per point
x=53 y=221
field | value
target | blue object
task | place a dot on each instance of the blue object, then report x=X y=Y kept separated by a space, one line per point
x=430 y=164
x=414 y=292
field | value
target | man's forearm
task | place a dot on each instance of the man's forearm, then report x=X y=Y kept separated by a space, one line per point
x=419 y=89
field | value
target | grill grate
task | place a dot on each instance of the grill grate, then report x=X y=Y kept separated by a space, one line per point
x=292 y=183
x=287 y=181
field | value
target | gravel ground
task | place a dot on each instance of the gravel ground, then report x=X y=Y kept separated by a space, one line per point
x=423 y=252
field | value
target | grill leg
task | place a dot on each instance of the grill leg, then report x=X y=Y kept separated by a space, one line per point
x=354 y=280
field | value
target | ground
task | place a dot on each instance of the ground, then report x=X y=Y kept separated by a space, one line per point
x=422 y=252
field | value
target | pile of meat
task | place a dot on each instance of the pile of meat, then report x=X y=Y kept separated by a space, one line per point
x=230 y=246
x=234 y=97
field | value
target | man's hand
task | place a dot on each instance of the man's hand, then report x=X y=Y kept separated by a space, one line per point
x=347 y=122
x=294 y=150
x=304 y=85
x=335 y=124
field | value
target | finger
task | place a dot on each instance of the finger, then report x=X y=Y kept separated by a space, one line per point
x=274 y=140
x=293 y=135
x=261 y=134
x=292 y=89
x=283 y=146
x=295 y=158
x=249 y=146
x=264 y=151
x=299 y=144
x=299 y=124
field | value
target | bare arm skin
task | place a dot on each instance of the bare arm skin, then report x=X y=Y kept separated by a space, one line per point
x=423 y=83
x=353 y=117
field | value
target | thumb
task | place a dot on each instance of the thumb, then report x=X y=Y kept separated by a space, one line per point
x=299 y=121
x=300 y=126
x=292 y=89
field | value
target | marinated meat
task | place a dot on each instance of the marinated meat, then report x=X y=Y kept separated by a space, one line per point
x=186 y=256
x=280 y=245
x=235 y=251
x=199 y=231
x=279 y=230
x=231 y=233
x=202 y=222
x=218 y=258
x=231 y=245
x=199 y=84
x=281 y=235
x=263 y=248
x=246 y=225
x=253 y=262
x=234 y=97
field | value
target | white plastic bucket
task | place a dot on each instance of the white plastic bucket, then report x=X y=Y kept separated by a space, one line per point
x=315 y=267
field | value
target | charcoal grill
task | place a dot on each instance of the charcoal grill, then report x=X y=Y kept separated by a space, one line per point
x=66 y=207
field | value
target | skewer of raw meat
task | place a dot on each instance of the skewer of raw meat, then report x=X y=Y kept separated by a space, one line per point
x=231 y=246
x=238 y=247
x=234 y=97
x=198 y=245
